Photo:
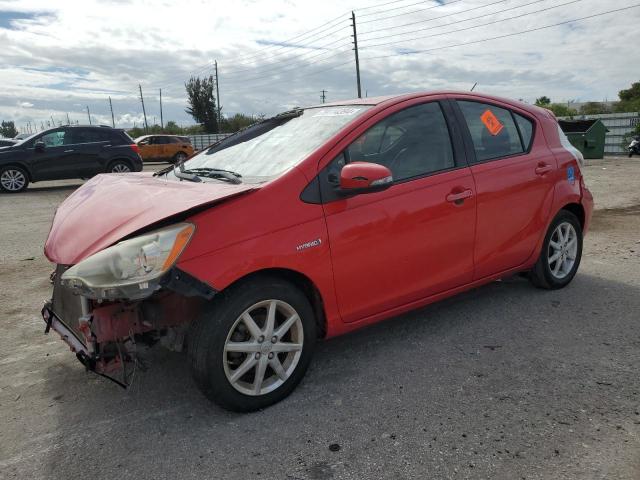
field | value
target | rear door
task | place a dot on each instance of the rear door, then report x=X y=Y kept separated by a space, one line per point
x=414 y=239
x=87 y=147
x=514 y=173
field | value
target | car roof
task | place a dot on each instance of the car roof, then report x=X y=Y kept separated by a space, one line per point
x=392 y=99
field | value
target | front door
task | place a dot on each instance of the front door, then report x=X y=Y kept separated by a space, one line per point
x=414 y=239
x=56 y=160
x=514 y=173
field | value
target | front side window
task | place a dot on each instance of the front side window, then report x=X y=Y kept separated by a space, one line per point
x=410 y=143
x=269 y=148
x=493 y=130
x=55 y=139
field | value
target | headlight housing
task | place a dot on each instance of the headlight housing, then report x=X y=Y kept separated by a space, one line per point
x=131 y=269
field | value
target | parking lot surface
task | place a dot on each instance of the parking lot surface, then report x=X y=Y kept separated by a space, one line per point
x=503 y=382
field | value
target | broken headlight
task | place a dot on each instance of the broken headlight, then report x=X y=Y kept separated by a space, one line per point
x=131 y=269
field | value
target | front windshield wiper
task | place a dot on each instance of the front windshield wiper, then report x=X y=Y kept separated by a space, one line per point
x=232 y=177
x=180 y=172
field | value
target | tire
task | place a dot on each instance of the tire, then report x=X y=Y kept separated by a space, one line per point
x=119 y=166
x=217 y=353
x=13 y=179
x=550 y=273
x=179 y=157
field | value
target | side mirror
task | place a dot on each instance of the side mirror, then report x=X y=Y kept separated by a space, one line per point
x=364 y=177
x=39 y=146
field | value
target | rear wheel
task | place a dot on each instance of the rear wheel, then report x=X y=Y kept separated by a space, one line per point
x=13 y=179
x=252 y=346
x=119 y=166
x=561 y=253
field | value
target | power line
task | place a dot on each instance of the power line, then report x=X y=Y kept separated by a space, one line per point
x=437 y=18
x=289 y=68
x=288 y=59
x=299 y=37
x=400 y=8
x=412 y=11
x=522 y=32
x=475 y=26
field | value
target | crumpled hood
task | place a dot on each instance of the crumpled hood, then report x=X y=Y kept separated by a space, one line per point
x=112 y=206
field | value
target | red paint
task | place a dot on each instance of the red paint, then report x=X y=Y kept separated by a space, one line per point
x=370 y=256
x=109 y=207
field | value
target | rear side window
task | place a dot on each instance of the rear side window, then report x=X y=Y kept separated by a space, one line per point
x=493 y=130
x=526 y=129
x=410 y=143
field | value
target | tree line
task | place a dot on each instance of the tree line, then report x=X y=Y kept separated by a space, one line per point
x=629 y=101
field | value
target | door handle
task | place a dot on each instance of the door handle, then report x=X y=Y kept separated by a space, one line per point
x=459 y=197
x=543 y=168
x=68 y=151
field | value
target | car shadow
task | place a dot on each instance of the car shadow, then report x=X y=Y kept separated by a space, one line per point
x=502 y=364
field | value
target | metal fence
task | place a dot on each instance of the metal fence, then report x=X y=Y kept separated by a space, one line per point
x=618 y=124
x=201 y=141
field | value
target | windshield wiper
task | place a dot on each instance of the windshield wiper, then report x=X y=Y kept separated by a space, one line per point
x=232 y=177
x=180 y=172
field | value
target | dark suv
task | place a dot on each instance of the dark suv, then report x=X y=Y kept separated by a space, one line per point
x=67 y=152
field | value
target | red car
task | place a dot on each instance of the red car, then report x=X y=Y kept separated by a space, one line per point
x=309 y=225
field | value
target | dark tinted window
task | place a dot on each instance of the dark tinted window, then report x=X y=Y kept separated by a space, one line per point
x=492 y=129
x=163 y=140
x=86 y=135
x=526 y=129
x=410 y=143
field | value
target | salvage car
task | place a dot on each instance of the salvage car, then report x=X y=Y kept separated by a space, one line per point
x=164 y=148
x=312 y=224
x=72 y=151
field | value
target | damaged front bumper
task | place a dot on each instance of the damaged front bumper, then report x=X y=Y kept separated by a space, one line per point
x=104 y=334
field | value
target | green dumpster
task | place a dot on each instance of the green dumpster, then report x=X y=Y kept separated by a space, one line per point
x=586 y=135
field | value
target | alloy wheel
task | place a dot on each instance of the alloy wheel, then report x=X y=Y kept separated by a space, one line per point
x=13 y=180
x=120 y=168
x=263 y=347
x=563 y=249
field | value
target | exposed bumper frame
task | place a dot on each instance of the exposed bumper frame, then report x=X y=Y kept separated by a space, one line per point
x=52 y=321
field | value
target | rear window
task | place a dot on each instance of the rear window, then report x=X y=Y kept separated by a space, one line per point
x=120 y=137
x=493 y=130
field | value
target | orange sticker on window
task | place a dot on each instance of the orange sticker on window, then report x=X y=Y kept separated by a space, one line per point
x=491 y=122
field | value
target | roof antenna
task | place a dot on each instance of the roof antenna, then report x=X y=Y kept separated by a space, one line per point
x=474 y=86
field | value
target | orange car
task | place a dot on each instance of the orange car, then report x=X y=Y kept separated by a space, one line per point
x=164 y=148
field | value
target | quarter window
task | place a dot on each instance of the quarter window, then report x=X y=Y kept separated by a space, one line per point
x=493 y=130
x=526 y=130
x=410 y=143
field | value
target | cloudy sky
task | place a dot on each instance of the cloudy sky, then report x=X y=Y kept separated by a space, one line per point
x=59 y=57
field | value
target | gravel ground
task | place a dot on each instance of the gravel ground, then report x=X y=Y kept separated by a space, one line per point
x=504 y=382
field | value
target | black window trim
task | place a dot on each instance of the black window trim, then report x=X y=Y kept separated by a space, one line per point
x=468 y=140
x=312 y=193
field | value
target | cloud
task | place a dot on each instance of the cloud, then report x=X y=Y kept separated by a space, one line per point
x=64 y=56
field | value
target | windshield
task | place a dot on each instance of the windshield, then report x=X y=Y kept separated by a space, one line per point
x=271 y=147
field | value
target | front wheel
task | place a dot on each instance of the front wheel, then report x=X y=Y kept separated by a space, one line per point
x=561 y=253
x=253 y=345
x=13 y=179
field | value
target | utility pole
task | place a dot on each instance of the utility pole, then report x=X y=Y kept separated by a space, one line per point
x=474 y=86
x=217 y=95
x=144 y=112
x=323 y=96
x=161 y=120
x=68 y=120
x=88 y=114
x=355 y=48
x=113 y=120
x=53 y=122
